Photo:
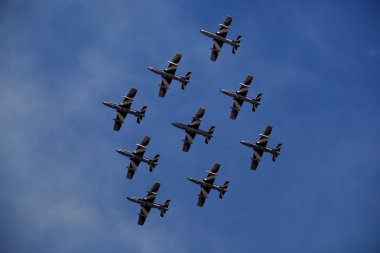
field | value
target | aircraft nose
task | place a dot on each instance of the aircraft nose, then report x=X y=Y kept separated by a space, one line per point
x=245 y=143
x=131 y=199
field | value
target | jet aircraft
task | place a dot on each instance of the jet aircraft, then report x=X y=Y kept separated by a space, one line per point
x=240 y=96
x=137 y=156
x=168 y=75
x=220 y=37
x=148 y=202
x=208 y=183
x=261 y=146
x=193 y=128
x=124 y=108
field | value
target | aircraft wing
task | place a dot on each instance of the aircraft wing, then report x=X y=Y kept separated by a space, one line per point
x=203 y=195
x=164 y=86
x=120 y=116
x=127 y=102
x=197 y=118
x=238 y=103
x=244 y=87
x=150 y=197
x=216 y=48
x=209 y=179
x=223 y=30
x=264 y=137
x=212 y=174
x=257 y=154
x=236 y=108
x=133 y=164
x=189 y=138
x=143 y=214
x=263 y=141
x=173 y=64
x=140 y=150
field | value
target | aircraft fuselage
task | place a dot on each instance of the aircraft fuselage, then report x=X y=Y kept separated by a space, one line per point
x=136 y=157
x=122 y=109
x=205 y=184
x=191 y=129
x=240 y=97
x=168 y=75
x=147 y=203
x=220 y=38
x=257 y=147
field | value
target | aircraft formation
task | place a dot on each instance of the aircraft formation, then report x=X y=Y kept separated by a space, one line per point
x=192 y=129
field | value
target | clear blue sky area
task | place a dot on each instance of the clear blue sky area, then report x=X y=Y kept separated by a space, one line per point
x=63 y=186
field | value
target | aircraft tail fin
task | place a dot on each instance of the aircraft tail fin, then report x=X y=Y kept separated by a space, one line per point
x=278 y=149
x=225 y=186
x=235 y=47
x=187 y=77
x=154 y=164
x=142 y=114
x=166 y=206
x=255 y=105
x=211 y=132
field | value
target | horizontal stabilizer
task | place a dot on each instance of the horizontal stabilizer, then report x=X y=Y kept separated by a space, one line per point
x=184 y=84
x=277 y=152
x=211 y=132
x=258 y=99
x=142 y=114
x=166 y=206
x=154 y=164
x=224 y=187
x=237 y=44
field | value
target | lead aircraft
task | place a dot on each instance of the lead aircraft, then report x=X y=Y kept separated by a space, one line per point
x=260 y=147
x=124 y=108
x=148 y=202
x=220 y=37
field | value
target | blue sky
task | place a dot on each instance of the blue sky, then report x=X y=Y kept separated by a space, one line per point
x=63 y=187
